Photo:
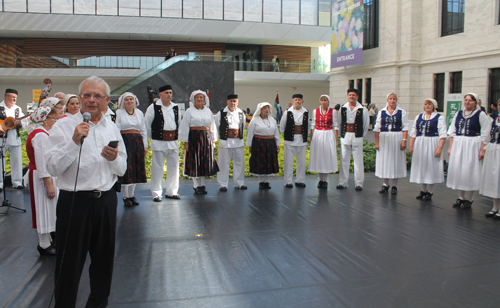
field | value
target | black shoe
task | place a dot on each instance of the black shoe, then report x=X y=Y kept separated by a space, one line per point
x=19 y=187
x=358 y=188
x=458 y=203
x=384 y=189
x=394 y=190
x=134 y=201
x=49 y=251
x=491 y=214
x=172 y=196
x=204 y=189
x=289 y=185
x=127 y=202
x=157 y=199
x=262 y=185
x=341 y=186
x=267 y=185
x=298 y=184
x=466 y=204
x=223 y=188
x=428 y=196
x=53 y=237
x=325 y=184
x=199 y=191
x=242 y=187
x=320 y=184
x=497 y=216
x=421 y=196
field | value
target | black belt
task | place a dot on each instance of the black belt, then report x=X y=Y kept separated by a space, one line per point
x=89 y=194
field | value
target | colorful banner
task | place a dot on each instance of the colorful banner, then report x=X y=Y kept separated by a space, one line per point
x=347 y=37
x=454 y=104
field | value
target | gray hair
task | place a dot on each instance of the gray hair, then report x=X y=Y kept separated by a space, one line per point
x=94 y=79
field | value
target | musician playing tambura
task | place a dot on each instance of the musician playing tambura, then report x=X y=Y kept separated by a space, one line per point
x=8 y=108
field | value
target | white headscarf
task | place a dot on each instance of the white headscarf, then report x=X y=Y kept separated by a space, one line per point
x=434 y=102
x=259 y=108
x=68 y=97
x=121 y=99
x=196 y=92
x=327 y=97
x=476 y=97
x=392 y=93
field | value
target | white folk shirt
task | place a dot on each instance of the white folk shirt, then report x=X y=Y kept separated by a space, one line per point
x=350 y=138
x=96 y=173
x=404 y=119
x=233 y=121
x=168 y=124
x=298 y=116
x=12 y=138
x=124 y=121
x=195 y=118
x=261 y=127
x=335 y=124
x=484 y=120
x=441 y=126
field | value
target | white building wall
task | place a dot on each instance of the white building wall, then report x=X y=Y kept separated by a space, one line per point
x=411 y=50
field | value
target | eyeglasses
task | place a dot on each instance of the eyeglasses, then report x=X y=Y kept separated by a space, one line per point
x=97 y=96
x=58 y=107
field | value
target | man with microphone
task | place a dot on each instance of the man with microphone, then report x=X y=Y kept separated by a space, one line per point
x=86 y=209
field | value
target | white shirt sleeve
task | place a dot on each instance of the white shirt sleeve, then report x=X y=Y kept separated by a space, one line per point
x=486 y=122
x=404 y=118
x=148 y=119
x=452 y=130
x=378 y=122
x=39 y=142
x=366 y=121
x=413 y=133
x=250 y=132
x=442 y=127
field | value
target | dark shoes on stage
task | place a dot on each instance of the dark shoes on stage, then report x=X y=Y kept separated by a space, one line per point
x=298 y=184
x=49 y=251
x=223 y=188
x=492 y=214
x=264 y=185
x=172 y=196
x=19 y=187
x=463 y=204
x=242 y=187
x=424 y=196
x=131 y=201
x=358 y=188
x=200 y=190
x=340 y=186
x=322 y=184
x=289 y=185
x=384 y=189
x=157 y=199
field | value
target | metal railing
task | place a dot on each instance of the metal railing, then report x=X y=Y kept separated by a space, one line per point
x=148 y=63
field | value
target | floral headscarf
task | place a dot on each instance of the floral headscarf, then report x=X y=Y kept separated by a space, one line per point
x=50 y=102
x=40 y=114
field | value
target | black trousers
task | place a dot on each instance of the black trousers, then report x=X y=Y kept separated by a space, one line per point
x=90 y=228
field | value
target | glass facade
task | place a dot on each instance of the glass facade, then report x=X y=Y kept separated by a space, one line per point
x=297 y=12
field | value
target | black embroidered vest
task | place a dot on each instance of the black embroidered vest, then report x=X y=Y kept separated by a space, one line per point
x=159 y=121
x=290 y=126
x=358 y=122
x=224 y=125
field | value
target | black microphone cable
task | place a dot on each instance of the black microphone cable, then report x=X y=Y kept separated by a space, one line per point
x=86 y=119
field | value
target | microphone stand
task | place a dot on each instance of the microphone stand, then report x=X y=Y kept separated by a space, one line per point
x=5 y=202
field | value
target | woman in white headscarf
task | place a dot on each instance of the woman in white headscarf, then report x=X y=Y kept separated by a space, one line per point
x=199 y=133
x=55 y=104
x=391 y=131
x=130 y=121
x=469 y=133
x=263 y=140
x=323 y=147
x=490 y=175
x=43 y=192
x=427 y=139
x=72 y=104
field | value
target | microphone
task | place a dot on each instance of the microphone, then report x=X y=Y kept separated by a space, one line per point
x=86 y=119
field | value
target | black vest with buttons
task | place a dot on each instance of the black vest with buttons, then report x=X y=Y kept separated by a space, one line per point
x=290 y=126
x=159 y=122
x=224 y=125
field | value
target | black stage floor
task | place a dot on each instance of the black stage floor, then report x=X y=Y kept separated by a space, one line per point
x=299 y=247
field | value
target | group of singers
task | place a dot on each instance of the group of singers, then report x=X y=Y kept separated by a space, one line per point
x=56 y=140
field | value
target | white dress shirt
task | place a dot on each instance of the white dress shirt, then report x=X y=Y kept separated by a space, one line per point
x=12 y=138
x=233 y=120
x=261 y=127
x=124 y=121
x=96 y=173
x=195 y=118
x=168 y=124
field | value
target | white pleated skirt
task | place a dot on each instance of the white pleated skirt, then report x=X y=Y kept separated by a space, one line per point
x=391 y=161
x=464 y=168
x=490 y=175
x=323 y=152
x=425 y=167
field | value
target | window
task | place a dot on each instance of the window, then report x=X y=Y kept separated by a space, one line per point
x=456 y=82
x=370 y=27
x=368 y=91
x=360 y=90
x=494 y=88
x=452 y=18
x=324 y=12
x=351 y=84
x=439 y=90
